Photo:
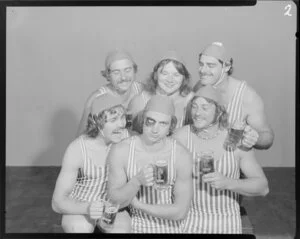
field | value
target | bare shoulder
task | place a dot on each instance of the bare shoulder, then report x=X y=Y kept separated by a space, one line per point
x=121 y=149
x=97 y=93
x=251 y=97
x=182 y=151
x=245 y=154
x=183 y=159
x=180 y=134
x=73 y=154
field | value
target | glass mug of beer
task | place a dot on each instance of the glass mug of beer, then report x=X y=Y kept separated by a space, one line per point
x=110 y=210
x=160 y=173
x=206 y=162
x=235 y=135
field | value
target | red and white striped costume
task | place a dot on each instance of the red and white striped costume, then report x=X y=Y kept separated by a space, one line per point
x=217 y=211
x=136 y=88
x=212 y=210
x=142 y=222
x=92 y=179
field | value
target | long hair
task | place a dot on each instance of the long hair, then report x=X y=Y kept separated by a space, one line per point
x=96 y=122
x=138 y=123
x=152 y=81
x=221 y=116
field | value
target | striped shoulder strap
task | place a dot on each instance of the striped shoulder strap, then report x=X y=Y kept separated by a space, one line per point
x=84 y=154
x=189 y=137
x=137 y=87
x=235 y=106
x=173 y=159
x=131 y=168
x=145 y=97
x=240 y=100
x=102 y=91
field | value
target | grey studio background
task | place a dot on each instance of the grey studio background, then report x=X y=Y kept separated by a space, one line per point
x=55 y=55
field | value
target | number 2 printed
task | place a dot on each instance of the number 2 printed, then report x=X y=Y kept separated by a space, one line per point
x=288 y=10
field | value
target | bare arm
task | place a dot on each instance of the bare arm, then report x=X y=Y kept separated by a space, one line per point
x=61 y=202
x=183 y=191
x=119 y=189
x=257 y=119
x=255 y=183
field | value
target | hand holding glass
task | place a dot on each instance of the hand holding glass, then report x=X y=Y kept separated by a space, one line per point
x=235 y=135
x=110 y=211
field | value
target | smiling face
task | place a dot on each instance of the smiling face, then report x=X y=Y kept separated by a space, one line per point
x=121 y=75
x=114 y=125
x=210 y=70
x=169 y=79
x=156 y=126
x=202 y=112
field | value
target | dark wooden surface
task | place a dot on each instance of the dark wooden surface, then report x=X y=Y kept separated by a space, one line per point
x=29 y=191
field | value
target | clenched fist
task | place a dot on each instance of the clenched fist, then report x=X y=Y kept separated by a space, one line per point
x=145 y=175
x=95 y=209
x=250 y=137
x=216 y=180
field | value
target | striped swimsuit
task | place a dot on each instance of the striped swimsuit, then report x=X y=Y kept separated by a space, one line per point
x=145 y=223
x=234 y=108
x=212 y=210
x=136 y=89
x=91 y=181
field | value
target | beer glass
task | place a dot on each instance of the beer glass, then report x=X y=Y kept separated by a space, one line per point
x=206 y=162
x=110 y=210
x=129 y=120
x=160 y=172
x=235 y=135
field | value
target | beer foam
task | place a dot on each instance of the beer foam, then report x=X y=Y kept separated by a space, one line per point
x=111 y=210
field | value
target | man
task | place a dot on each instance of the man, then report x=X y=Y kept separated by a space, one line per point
x=131 y=172
x=81 y=184
x=120 y=71
x=241 y=101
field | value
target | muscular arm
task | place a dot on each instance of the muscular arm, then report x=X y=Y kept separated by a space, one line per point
x=257 y=119
x=61 y=202
x=119 y=189
x=255 y=183
x=183 y=191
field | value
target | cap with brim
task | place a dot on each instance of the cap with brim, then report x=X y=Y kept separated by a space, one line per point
x=209 y=92
x=117 y=55
x=105 y=102
x=161 y=104
x=216 y=50
x=172 y=55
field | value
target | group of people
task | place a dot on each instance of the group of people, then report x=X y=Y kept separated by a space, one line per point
x=127 y=127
